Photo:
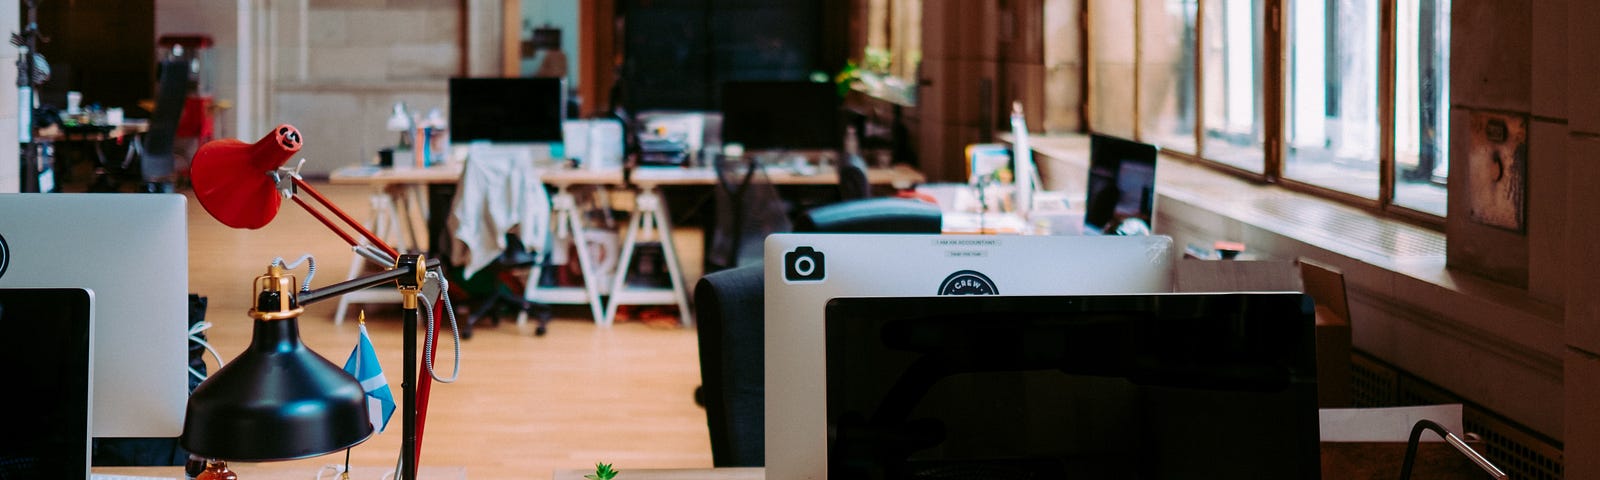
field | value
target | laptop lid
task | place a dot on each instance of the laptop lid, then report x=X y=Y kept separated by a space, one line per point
x=1120 y=198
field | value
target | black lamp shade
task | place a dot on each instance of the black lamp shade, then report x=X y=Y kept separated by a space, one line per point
x=277 y=401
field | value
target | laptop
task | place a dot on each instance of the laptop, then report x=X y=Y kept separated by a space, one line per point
x=805 y=271
x=1121 y=196
x=48 y=348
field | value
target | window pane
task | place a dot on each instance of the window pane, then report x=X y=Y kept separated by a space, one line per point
x=1111 y=74
x=1166 y=71
x=1422 y=104
x=1063 y=59
x=1331 y=120
x=1231 y=62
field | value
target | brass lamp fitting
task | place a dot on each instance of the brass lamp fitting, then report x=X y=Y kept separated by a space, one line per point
x=282 y=284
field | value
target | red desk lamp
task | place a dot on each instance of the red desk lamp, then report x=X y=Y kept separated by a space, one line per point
x=278 y=400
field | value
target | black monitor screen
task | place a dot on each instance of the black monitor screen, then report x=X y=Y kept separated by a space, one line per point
x=1122 y=183
x=781 y=115
x=506 y=110
x=1156 y=386
x=47 y=342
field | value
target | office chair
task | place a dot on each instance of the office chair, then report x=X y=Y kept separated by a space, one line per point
x=731 y=311
x=501 y=203
x=748 y=209
x=872 y=215
x=853 y=184
x=157 y=165
x=498 y=288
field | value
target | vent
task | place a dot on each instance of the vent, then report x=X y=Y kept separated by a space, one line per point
x=1523 y=454
x=1348 y=227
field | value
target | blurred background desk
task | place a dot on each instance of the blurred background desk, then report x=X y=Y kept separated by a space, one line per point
x=404 y=197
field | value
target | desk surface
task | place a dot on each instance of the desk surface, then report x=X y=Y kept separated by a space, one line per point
x=900 y=176
x=298 y=470
x=749 y=473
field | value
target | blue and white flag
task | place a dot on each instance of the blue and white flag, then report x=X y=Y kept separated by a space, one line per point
x=363 y=364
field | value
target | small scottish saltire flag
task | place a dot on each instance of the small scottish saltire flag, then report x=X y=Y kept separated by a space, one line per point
x=363 y=364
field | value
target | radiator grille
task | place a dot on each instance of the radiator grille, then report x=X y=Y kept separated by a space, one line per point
x=1523 y=454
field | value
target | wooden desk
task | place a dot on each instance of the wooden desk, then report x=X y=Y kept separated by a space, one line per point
x=899 y=176
x=401 y=187
x=748 y=473
x=295 y=470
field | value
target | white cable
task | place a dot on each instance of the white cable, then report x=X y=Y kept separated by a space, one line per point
x=194 y=336
x=311 y=268
x=427 y=345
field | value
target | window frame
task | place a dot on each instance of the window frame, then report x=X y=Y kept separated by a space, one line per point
x=1274 y=110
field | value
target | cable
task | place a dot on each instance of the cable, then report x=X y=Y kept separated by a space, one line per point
x=311 y=269
x=194 y=332
x=455 y=334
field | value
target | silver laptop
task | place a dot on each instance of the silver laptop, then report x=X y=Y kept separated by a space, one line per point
x=804 y=272
x=133 y=252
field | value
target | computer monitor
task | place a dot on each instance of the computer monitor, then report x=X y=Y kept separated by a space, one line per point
x=804 y=271
x=775 y=115
x=1147 y=386
x=133 y=252
x=1122 y=185
x=48 y=346
x=507 y=110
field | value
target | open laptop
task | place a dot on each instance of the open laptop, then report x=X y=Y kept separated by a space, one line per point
x=805 y=271
x=1121 y=195
x=48 y=348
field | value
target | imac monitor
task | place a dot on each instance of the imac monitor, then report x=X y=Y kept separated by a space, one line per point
x=1122 y=186
x=773 y=115
x=507 y=110
x=1148 y=386
x=133 y=252
x=804 y=271
x=48 y=346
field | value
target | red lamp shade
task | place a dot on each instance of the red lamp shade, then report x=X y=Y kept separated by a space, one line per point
x=231 y=178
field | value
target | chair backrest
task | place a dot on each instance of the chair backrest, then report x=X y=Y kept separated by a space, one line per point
x=748 y=209
x=853 y=183
x=873 y=215
x=172 y=91
x=730 y=308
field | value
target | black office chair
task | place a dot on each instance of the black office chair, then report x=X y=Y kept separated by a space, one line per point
x=157 y=165
x=748 y=209
x=730 y=310
x=731 y=326
x=497 y=289
x=853 y=184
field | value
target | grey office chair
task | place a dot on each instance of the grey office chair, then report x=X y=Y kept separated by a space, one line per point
x=157 y=165
x=731 y=312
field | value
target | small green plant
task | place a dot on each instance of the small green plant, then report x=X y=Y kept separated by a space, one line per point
x=602 y=471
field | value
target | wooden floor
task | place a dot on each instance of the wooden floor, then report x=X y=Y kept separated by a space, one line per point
x=523 y=406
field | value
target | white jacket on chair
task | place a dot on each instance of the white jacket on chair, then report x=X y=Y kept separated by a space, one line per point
x=497 y=191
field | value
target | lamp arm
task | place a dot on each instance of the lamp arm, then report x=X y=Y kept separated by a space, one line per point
x=301 y=185
x=359 y=283
x=1454 y=441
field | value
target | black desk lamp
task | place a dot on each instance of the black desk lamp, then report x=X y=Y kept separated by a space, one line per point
x=279 y=400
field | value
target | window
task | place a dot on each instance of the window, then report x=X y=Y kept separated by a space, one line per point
x=1111 y=67
x=1421 y=104
x=1166 y=73
x=1317 y=119
x=1331 y=119
x=1063 y=60
x=1231 y=65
